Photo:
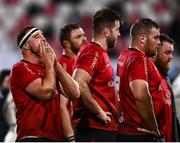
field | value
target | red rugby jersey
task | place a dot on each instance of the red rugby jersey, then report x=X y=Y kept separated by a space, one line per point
x=34 y=117
x=134 y=65
x=95 y=60
x=67 y=63
x=166 y=121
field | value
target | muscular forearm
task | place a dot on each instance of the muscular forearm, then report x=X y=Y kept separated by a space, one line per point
x=66 y=123
x=146 y=111
x=144 y=104
x=70 y=86
x=83 y=78
x=89 y=102
x=49 y=81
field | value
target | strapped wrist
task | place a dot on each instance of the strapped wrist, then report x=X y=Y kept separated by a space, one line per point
x=70 y=138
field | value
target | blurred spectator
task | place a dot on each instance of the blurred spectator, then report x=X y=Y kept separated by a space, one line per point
x=4 y=90
x=9 y=113
x=176 y=90
x=8 y=108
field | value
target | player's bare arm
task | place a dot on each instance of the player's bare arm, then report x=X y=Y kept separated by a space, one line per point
x=70 y=86
x=144 y=104
x=44 y=88
x=83 y=78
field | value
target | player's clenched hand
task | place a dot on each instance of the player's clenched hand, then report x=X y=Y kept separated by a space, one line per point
x=156 y=134
x=105 y=117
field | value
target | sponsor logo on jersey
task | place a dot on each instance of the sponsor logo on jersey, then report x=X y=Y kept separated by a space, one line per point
x=94 y=60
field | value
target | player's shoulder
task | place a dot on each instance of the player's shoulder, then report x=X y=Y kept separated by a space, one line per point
x=90 y=49
x=22 y=67
x=132 y=54
x=63 y=58
x=66 y=60
x=137 y=55
x=18 y=65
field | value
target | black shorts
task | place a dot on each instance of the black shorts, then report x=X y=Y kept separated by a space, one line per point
x=134 y=138
x=86 y=134
x=29 y=139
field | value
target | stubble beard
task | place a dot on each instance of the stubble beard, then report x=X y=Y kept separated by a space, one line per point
x=148 y=50
x=110 y=43
x=163 y=67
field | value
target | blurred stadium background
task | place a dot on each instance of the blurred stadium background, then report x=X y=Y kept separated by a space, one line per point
x=51 y=15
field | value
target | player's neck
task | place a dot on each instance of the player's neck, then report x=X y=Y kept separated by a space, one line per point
x=31 y=58
x=101 y=41
x=137 y=47
x=70 y=54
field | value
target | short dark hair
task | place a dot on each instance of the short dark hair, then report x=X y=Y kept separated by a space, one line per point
x=22 y=33
x=164 y=37
x=104 y=17
x=142 y=25
x=65 y=32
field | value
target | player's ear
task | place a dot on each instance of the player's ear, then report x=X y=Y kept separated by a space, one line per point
x=26 y=46
x=142 y=38
x=66 y=43
x=106 y=32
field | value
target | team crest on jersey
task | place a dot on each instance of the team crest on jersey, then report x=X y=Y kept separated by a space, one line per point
x=121 y=118
x=168 y=100
x=160 y=87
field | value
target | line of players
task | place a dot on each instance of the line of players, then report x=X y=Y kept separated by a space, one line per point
x=51 y=105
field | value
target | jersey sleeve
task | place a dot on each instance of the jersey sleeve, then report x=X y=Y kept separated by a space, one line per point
x=89 y=61
x=138 y=69
x=24 y=75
